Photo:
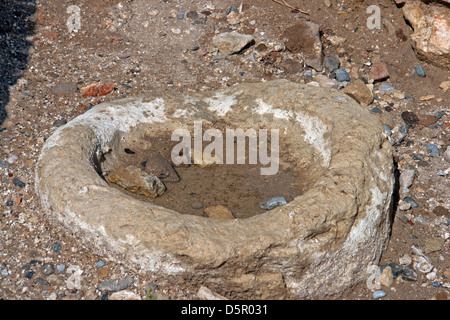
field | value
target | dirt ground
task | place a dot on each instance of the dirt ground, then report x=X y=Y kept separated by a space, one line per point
x=139 y=46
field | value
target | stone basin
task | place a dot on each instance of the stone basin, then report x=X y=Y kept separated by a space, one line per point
x=318 y=244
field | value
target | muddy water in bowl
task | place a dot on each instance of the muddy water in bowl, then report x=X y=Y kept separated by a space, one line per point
x=239 y=190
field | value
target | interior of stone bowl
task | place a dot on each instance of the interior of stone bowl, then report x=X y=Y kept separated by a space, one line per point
x=291 y=168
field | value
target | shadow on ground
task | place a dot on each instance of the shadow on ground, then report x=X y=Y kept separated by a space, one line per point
x=15 y=26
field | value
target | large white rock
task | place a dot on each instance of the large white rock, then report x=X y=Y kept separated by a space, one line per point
x=318 y=244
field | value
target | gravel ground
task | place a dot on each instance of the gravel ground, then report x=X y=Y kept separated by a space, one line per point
x=136 y=46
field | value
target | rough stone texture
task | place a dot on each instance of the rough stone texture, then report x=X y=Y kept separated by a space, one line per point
x=431 y=35
x=360 y=92
x=231 y=42
x=304 y=37
x=320 y=243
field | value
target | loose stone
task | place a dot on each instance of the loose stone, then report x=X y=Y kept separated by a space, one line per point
x=342 y=75
x=115 y=284
x=378 y=294
x=331 y=63
x=196 y=204
x=411 y=201
x=410 y=118
x=433 y=149
x=19 y=183
x=271 y=203
x=409 y=274
x=48 y=268
x=420 y=71
x=56 y=247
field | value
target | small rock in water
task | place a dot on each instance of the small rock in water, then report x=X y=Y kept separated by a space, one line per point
x=433 y=149
x=378 y=294
x=219 y=212
x=271 y=203
x=137 y=181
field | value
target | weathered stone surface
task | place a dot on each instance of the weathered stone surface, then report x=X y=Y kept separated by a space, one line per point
x=218 y=212
x=231 y=42
x=431 y=24
x=298 y=250
x=304 y=37
x=360 y=92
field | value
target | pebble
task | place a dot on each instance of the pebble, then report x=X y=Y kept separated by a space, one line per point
x=396 y=269
x=387 y=129
x=404 y=128
x=56 y=246
x=4 y=272
x=29 y=274
x=99 y=264
x=59 y=123
x=379 y=71
x=12 y=159
x=436 y=284
x=411 y=201
x=409 y=274
x=434 y=150
x=42 y=281
x=409 y=118
x=439 y=114
x=60 y=267
x=115 y=284
x=386 y=87
x=406 y=179
x=124 y=295
x=18 y=183
x=192 y=15
x=341 y=75
x=271 y=203
x=196 y=204
x=441 y=173
x=420 y=71
x=331 y=63
x=9 y=203
x=376 y=110
x=4 y=164
x=378 y=294
x=181 y=14
x=48 y=268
